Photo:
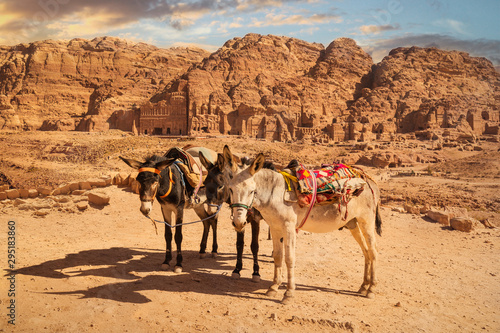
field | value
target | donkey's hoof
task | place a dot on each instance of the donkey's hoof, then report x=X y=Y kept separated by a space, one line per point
x=363 y=291
x=178 y=269
x=370 y=295
x=271 y=292
x=214 y=255
x=255 y=278
x=164 y=267
x=235 y=275
x=287 y=299
x=203 y=255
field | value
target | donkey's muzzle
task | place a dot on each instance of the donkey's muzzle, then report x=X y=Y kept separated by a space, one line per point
x=239 y=218
x=146 y=207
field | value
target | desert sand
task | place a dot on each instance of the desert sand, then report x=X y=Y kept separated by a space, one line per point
x=98 y=269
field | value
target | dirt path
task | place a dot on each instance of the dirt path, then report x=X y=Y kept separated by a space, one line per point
x=97 y=271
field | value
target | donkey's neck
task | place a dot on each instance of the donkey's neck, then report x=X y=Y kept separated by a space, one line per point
x=269 y=183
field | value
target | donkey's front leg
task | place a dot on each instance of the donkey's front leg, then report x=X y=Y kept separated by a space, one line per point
x=290 y=240
x=178 y=239
x=240 y=243
x=167 y=216
x=215 y=246
x=254 y=246
x=204 y=238
x=277 y=236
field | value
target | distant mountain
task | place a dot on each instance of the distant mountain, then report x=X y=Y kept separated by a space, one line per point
x=272 y=87
x=53 y=84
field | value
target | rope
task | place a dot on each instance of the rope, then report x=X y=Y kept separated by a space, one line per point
x=186 y=223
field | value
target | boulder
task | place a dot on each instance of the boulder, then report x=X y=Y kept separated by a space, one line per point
x=130 y=179
x=74 y=186
x=135 y=186
x=82 y=206
x=44 y=190
x=32 y=193
x=24 y=193
x=85 y=186
x=412 y=209
x=120 y=179
x=79 y=192
x=3 y=195
x=438 y=216
x=42 y=212
x=19 y=202
x=43 y=204
x=64 y=189
x=12 y=194
x=107 y=180
x=97 y=182
x=98 y=198
x=465 y=224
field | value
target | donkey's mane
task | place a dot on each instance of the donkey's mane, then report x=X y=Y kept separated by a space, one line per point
x=155 y=159
x=245 y=161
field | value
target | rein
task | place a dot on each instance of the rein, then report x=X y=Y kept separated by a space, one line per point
x=185 y=223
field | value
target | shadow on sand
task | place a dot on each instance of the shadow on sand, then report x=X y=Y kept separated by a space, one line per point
x=209 y=276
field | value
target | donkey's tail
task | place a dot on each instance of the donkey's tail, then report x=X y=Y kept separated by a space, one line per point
x=378 y=221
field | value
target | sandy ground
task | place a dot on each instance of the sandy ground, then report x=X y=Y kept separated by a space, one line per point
x=97 y=270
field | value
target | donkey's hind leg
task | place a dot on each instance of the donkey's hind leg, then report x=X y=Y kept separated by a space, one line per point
x=368 y=230
x=358 y=236
x=277 y=236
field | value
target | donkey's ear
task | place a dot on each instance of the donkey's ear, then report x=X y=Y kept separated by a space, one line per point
x=131 y=163
x=257 y=164
x=220 y=161
x=206 y=163
x=229 y=159
x=162 y=165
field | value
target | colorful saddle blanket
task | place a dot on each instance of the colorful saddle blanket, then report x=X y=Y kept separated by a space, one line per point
x=330 y=178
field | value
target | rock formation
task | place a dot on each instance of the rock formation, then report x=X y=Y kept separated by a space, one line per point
x=281 y=88
x=271 y=87
x=427 y=90
x=92 y=85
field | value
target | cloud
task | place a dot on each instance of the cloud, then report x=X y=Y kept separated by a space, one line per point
x=272 y=19
x=26 y=20
x=453 y=25
x=487 y=48
x=376 y=29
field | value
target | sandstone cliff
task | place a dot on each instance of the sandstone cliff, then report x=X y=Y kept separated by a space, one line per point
x=427 y=90
x=271 y=87
x=282 y=88
x=92 y=84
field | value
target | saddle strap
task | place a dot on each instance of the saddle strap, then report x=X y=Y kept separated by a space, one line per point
x=313 y=200
x=288 y=177
x=171 y=181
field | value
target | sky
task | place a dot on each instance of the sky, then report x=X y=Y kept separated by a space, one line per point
x=378 y=25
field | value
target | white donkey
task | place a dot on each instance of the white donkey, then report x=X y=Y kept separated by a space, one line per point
x=255 y=186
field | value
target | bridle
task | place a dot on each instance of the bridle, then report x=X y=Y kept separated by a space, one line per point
x=156 y=184
x=241 y=205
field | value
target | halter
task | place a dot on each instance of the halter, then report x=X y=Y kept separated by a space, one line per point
x=156 y=171
x=243 y=205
